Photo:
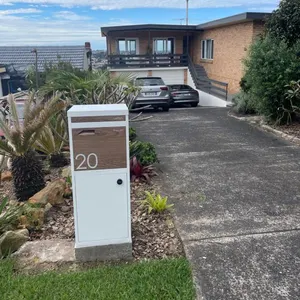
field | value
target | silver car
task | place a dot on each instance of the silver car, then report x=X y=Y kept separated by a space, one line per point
x=154 y=92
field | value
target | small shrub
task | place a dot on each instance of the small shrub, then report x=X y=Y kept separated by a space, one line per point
x=293 y=96
x=132 y=134
x=144 y=151
x=139 y=172
x=156 y=203
x=242 y=103
x=9 y=215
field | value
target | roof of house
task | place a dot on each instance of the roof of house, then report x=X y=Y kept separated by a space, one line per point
x=106 y=30
x=244 y=17
x=240 y=18
x=22 y=57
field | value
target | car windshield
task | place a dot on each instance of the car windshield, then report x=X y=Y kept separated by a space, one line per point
x=148 y=81
x=175 y=87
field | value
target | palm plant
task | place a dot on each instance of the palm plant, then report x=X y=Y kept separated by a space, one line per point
x=52 y=139
x=27 y=170
x=98 y=87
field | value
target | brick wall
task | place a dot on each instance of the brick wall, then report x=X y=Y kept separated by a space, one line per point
x=143 y=39
x=231 y=44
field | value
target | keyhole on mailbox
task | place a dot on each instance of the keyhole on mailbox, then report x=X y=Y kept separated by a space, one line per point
x=119 y=181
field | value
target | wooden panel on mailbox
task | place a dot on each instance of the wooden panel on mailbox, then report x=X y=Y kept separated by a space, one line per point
x=99 y=148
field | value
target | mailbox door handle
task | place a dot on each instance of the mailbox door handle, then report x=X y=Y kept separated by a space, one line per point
x=119 y=181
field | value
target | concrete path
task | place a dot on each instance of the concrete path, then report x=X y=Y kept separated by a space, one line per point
x=236 y=191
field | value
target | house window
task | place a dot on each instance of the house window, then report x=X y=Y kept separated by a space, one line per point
x=163 y=46
x=207 y=49
x=127 y=46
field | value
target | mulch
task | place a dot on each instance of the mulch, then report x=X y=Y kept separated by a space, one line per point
x=293 y=129
x=153 y=235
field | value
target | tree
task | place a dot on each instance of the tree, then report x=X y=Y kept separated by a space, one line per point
x=27 y=171
x=284 y=22
x=49 y=70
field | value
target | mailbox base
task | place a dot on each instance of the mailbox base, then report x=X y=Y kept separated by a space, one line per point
x=104 y=253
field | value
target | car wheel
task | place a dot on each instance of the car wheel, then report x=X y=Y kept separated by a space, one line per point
x=156 y=108
x=194 y=104
x=166 y=108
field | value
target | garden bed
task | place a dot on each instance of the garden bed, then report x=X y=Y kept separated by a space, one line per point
x=290 y=132
x=293 y=129
x=153 y=235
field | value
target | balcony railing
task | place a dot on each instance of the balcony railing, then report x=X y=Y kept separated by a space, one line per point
x=147 y=61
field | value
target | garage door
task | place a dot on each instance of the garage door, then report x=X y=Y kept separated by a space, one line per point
x=170 y=77
x=135 y=73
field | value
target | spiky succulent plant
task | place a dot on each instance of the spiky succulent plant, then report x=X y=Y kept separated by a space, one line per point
x=20 y=137
x=52 y=140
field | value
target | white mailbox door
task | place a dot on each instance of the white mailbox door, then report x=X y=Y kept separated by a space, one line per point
x=102 y=212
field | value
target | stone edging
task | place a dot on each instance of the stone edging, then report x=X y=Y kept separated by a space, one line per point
x=254 y=120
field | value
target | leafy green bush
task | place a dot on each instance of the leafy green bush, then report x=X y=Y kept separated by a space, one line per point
x=156 y=203
x=271 y=65
x=132 y=134
x=144 y=151
x=243 y=104
x=284 y=23
x=293 y=95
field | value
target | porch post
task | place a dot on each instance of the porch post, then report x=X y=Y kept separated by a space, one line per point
x=149 y=52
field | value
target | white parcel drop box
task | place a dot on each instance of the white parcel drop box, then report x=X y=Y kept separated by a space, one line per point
x=99 y=145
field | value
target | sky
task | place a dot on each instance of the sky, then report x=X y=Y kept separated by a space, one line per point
x=74 y=22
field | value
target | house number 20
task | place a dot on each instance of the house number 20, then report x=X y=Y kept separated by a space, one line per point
x=90 y=161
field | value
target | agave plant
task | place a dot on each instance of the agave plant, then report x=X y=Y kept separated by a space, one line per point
x=52 y=140
x=27 y=170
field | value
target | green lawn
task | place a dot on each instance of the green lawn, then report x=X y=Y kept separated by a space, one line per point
x=153 y=280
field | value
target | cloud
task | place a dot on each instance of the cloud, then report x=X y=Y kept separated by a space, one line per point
x=121 y=4
x=19 y=11
x=58 y=29
x=71 y=16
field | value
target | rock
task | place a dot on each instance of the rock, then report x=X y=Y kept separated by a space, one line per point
x=23 y=222
x=47 y=208
x=65 y=208
x=6 y=176
x=53 y=193
x=66 y=172
x=11 y=241
x=33 y=219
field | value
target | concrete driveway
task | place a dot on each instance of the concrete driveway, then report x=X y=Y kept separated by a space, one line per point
x=236 y=192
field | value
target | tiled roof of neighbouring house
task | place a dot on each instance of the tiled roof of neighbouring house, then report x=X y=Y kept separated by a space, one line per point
x=22 y=57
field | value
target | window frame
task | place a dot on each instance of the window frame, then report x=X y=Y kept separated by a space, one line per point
x=204 y=49
x=166 y=39
x=127 y=43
